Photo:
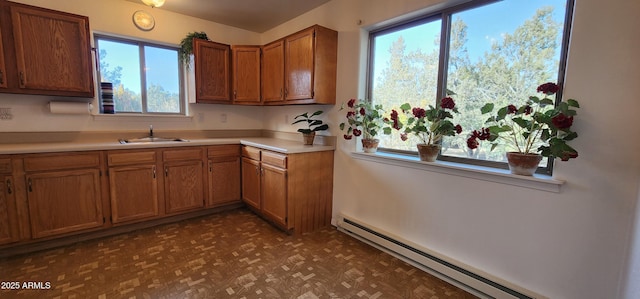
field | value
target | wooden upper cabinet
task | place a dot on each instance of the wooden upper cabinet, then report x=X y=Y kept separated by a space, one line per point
x=246 y=74
x=3 y=69
x=273 y=72
x=212 y=72
x=52 y=52
x=310 y=61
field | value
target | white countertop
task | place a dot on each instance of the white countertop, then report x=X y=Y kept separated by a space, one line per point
x=273 y=144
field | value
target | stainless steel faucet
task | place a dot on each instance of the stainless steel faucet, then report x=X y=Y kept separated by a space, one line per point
x=150 y=130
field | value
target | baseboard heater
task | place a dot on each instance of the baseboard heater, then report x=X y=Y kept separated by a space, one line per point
x=475 y=281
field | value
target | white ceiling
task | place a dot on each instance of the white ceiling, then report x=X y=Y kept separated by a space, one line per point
x=253 y=15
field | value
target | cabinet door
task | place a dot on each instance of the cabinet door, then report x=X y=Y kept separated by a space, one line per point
x=184 y=186
x=53 y=51
x=273 y=72
x=3 y=69
x=299 y=72
x=64 y=201
x=134 y=192
x=224 y=181
x=246 y=74
x=8 y=214
x=211 y=62
x=251 y=182
x=274 y=194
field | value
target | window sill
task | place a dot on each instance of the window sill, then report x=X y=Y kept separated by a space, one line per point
x=143 y=117
x=538 y=182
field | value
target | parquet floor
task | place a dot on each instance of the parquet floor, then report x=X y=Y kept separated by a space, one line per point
x=233 y=254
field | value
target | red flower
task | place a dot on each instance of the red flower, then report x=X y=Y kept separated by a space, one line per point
x=512 y=109
x=351 y=103
x=404 y=136
x=351 y=114
x=458 y=129
x=528 y=110
x=447 y=103
x=568 y=155
x=472 y=142
x=394 y=118
x=362 y=111
x=419 y=112
x=348 y=137
x=357 y=132
x=548 y=88
x=561 y=121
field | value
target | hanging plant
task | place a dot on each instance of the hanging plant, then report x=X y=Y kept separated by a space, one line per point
x=186 y=46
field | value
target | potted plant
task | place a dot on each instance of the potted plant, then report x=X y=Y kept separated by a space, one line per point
x=313 y=125
x=363 y=119
x=186 y=46
x=428 y=125
x=533 y=130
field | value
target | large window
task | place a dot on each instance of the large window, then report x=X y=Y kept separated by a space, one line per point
x=485 y=51
x=145 y=77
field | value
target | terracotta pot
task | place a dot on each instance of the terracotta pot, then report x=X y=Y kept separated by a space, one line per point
x=523 y=164
x=370 y=145
x=308 y=138
x=428 y=152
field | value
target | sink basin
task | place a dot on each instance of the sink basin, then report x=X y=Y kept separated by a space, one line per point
x=151 y=140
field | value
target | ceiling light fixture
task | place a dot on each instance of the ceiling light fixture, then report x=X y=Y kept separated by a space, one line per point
x=153 y=3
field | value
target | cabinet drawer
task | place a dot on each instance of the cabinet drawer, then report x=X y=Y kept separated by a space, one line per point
x=182 y=154
x=223 y=151
x=251 y=152
x=61 y=161
x=128 y=158
x=5 y=165
x=274 y=159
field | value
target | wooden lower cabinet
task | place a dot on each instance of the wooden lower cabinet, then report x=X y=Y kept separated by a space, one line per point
x=64 y=201
x=133 y=186
x=8 y=214
x=183 y=179
x=224 y=175
x=293 y=191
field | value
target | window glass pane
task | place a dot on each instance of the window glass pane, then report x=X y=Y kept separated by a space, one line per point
x=500 y=53
x=120 y=65
x=163 y=88
x=405 y=70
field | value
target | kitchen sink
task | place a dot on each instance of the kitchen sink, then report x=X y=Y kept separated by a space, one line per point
x=151 y=140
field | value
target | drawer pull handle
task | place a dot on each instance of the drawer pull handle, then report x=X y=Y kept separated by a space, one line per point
x=30 y=187
x=154 y=172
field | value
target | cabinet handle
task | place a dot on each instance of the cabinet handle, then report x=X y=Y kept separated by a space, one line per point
x=280 y=93
x=257 y=170
x=210 y=166
x=166 y=171
x=30 y=189
x=9 y=186
x=1 y=77
x=235 y=94
x=21 y=79
x=154 y=172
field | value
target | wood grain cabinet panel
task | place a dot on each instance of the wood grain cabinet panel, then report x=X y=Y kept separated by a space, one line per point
x=274 y=194
x=246 y=74
x=64 y=201
x=184 y=179
x=251 y=184
x=3 y=68
x=9 y=232
x=52 y=52
x=224 y=175
x=212 y=71
x=273 y=72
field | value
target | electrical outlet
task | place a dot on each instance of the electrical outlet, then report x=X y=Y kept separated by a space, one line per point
x=5 y=114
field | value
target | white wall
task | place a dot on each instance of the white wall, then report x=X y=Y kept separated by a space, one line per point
x=572 y=244
x=115 y=17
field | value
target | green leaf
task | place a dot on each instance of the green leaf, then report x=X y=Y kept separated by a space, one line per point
x=341 y=126
x=405 y=107
x=545 y=102
x=523 y=123
x=488 y=107
x=299 y=121
x=316 y=113
x=502 y=113
x=386 y=131
x=573 y=103
x=321 y=128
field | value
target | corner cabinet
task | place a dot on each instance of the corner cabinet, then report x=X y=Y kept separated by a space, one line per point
x=310 y=66
x=293 y=191
x=45 y=52
x=212 y=71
